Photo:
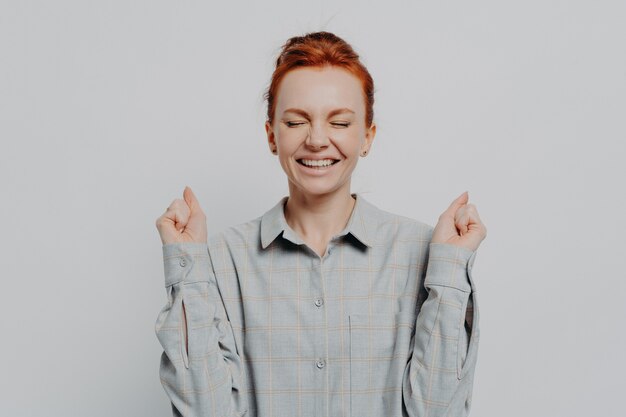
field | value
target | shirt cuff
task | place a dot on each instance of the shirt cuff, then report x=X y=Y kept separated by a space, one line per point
x=450 y=266
x=186 y=262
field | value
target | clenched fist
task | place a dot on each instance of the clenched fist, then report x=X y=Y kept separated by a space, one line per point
x=183 y=221
x=460 y=225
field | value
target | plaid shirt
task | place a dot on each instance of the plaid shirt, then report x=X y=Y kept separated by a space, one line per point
x=384 y=324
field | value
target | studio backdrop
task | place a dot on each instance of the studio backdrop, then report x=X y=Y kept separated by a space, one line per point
x=108 y=109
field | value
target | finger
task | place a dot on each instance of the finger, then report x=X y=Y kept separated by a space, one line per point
x=181 y=219
x=178 y=212
x=197 y=219
x=477 y=226
x=461 y=220
x=465 y=220
x=458 y=202
x=191 y=200
x=194 y=205
x=473 y=209
x=474 y=216
x=474 y=224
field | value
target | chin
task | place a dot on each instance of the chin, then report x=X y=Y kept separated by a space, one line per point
x=318 y=190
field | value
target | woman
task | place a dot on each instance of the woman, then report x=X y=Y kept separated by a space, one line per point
x=325 y=305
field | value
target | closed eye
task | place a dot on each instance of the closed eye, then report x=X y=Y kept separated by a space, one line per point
x=292 y=124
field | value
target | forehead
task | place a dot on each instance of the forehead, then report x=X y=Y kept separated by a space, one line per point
x=315 y=88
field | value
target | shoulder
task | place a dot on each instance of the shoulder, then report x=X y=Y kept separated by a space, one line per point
x=396 y=226
x=405 y=237
x=239 y=235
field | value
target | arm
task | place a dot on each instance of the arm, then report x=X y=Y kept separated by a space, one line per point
x=200 y=368
x=439 y=377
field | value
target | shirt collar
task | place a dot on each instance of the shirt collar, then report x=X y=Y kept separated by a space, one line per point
x=362 y=223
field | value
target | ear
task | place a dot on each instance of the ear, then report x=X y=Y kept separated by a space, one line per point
x=370 y=133
x=271 y=140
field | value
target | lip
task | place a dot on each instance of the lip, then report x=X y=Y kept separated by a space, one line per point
x=317 y=158
x=318 y=171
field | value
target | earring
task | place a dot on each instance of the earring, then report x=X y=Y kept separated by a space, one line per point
x=274 y=150
x=364 y=152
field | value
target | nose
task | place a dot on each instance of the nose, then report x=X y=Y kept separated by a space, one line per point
x=317 y=137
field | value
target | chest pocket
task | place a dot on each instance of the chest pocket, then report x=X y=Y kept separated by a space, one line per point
x=379 y=351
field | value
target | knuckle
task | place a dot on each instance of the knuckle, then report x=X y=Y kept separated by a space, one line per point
x=159 y=222
x=177 y=203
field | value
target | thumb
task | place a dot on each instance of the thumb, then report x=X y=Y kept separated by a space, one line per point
x=197 y=217
x=196 y=226
x=191 y=200
x=458 y=202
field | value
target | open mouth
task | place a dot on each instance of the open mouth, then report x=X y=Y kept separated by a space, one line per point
x=318 y=165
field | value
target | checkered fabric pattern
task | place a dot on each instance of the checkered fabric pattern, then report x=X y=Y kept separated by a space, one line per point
x=384 y=324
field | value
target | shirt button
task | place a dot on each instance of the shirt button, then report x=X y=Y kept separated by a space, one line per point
x=319 y=302
x=320 y=363
x=182 y=262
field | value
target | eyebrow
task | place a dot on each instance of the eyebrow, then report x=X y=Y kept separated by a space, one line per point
x=332 y=113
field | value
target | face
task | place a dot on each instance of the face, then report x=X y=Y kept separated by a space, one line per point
x=319 y=120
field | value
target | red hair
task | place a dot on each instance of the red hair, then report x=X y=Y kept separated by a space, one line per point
x=319 y=49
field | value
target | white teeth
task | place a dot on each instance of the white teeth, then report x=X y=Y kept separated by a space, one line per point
x=317 y=163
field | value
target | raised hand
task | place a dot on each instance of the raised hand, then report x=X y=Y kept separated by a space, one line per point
x=183 y=221
x=460 y=225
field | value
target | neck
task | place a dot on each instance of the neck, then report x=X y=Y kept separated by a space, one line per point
x=317 y=218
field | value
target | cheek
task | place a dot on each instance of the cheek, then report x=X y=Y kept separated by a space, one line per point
x=287 y=149
x=284 y=164
x=350 y=142
x=290 y=139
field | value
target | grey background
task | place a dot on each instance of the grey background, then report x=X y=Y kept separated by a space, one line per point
x=108 y=109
